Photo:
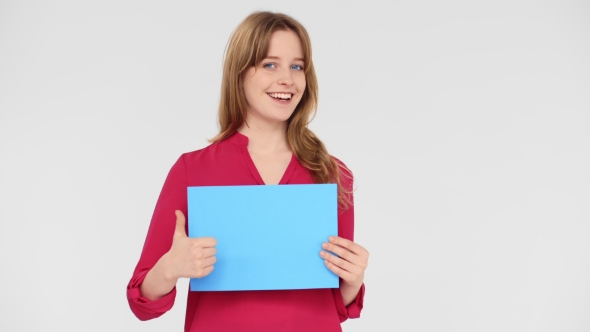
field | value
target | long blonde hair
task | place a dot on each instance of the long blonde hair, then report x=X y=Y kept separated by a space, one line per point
x=247 y=47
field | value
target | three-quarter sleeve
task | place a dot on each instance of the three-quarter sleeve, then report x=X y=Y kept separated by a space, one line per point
x=158 y=241
x=346 y=230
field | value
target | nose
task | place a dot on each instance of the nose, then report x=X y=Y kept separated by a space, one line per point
x=285 y=77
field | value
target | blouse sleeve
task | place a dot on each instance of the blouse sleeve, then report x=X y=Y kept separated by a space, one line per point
x=346 y=230
x=158 y=241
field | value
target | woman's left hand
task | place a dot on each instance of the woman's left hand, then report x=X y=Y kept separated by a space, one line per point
x=351 y=262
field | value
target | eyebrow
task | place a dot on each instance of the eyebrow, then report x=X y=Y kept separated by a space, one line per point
x=278 y=58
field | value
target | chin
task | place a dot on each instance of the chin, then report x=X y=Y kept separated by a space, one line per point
x=282 y=119
x=281 y=115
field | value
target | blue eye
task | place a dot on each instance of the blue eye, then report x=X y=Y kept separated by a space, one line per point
x=297 y=67
x=269 y=65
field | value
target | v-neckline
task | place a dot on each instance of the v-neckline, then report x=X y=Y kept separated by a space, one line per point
x=243 y=140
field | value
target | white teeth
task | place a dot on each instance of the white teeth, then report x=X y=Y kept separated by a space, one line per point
x=285 y=96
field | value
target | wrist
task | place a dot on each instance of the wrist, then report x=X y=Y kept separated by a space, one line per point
x=349 y=292
x=354 y=285
x=166 y=268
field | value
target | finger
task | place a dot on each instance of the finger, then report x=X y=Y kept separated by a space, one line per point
x=208 y=252
x=348 y=245
x=209 y=261
x=344 y=254
x=205 y=242
x=345 y=275
x=204 y=272
x=180 y=230
x=341 y=263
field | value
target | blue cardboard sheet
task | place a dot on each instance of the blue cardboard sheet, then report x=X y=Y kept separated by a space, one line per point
x=268 y=236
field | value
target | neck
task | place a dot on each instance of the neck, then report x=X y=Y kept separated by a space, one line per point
x=265 y=138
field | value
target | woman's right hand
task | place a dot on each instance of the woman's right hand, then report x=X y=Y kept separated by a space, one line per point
x=189 y=257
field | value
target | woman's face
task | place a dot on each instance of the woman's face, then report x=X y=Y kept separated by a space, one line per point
x=274 y=87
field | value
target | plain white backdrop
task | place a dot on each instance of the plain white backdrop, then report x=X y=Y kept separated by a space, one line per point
x=467 y=127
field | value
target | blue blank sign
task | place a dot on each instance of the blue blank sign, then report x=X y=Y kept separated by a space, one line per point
x=268 y=236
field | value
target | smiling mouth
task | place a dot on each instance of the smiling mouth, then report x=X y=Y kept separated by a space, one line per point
x=280 y=96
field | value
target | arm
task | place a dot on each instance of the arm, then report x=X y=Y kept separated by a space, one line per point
x=349 y=297
x=158 y=281
x=151 y=302
x=187 y=258
x=168 y=253
x=349 y=292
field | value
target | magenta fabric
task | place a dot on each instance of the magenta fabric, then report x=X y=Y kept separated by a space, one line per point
x=229 y=163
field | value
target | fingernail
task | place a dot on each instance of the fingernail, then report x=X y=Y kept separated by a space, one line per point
x=322 y=253
x=325 y=245
x=332 y=239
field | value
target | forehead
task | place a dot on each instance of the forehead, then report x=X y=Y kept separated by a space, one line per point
x=285 y=44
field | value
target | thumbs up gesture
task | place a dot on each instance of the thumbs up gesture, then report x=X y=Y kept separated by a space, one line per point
x=190 y=257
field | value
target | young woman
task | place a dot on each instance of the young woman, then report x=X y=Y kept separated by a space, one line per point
x=268 y=94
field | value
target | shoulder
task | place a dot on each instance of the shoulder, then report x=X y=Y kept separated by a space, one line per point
x=191 y=158
x=345 y=175
x=212 y=158
x=343 y=169
x=204 y=153
x=196 y=153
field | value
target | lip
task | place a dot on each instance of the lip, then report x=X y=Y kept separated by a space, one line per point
x=281 y=102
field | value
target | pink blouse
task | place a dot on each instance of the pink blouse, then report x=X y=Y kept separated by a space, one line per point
x=228 y=163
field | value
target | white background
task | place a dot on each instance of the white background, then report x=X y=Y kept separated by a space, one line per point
x=467 y=127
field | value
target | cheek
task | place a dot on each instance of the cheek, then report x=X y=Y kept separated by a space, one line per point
x=301 y=83
x=249 y=95
x=249 y=81
x=250 y=87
